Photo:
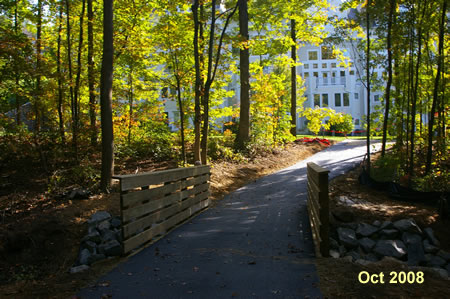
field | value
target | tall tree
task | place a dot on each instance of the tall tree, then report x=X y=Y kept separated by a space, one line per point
x=197 y=88
x=244 y=58
x=106 y=82
x=392 y=4
x=91 y=74
x=436 y=85
x=293 y=81
x=368 y=83
x=60 y=76
x=69 y=60
x=38 y=66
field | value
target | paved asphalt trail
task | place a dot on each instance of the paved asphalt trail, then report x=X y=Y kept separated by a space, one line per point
x=256 y=243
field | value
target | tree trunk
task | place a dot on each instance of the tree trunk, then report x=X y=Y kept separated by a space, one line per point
x=436 y=87
x=106 y=97
x=197 y=116
x=293 y=81
x=38 y=67
x=60 y=78
x=368 y=85
x=91 y=75
x=130 y=102
x=392 y=5
x=244 y=58
x=77 y=82
x=69 y=59
x=16 y=69
x=180 y=106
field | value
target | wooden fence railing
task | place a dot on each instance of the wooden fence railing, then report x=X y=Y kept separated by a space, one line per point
x=152 y=203
x=318 y=207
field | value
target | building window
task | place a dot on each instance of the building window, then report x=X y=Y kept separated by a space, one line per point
x=376 y=98
x=315 y=65
x=333 y=64
x=306 y=66
x=317 y=100
x=346 y=99
x=312 y=55
x=357 y=122
x=316 y=74
x=325 y=100
x=306 y=75
x=356 y=96
x=352 y=72
x=327 y=53
x=342 y=73
x=165 y=92
x=324 y=65
x=337 y=100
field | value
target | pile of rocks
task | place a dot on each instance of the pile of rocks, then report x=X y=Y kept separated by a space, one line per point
x=102 y=240
x=403 y=240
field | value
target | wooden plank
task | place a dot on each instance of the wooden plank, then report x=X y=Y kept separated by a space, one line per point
x=315 y=215
x=314 y=225
x=195 y=181
x=152 y=206
x=132 y=199
x=315 y=172
x=131 y=181
x=142 y=223
x=147 y=235
x=314 y=196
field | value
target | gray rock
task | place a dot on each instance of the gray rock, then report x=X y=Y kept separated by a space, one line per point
x=116 y=222
x=347 y=237
x=441 y=272
x=348 y=258
x=376 y=223
x=118 y=235
x=362 y=262
x=334 y=254
x=79 y=269
x=84 y=256
x=111 y=248
x=366 y=244
x=386 y=225
x=371 y=257
x=444 y=254
x=428 y=232
x=334 y=244
x=108 y=235
x=350 y=225
x=428 y=248
x=366 y=230
x=99 y=217
x=94 y=237
x=79 y=194
x=389 y=234
x=104 y=225
x=407 y=225
x=96 y=257
x=409 y=238
x=91 y=246
x=342 y=250
x=343 y=215
x=416 y=254
x=392 y=248
x=355 y=256
x=436 y=261
x=447 y=268
x=92 y=229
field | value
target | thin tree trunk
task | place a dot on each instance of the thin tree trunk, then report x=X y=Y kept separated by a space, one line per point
x=69 y=59
x=416 y=86
x=106 y=97
x=60 y=78
x=180 y=105
x=368 y=85
x=293 y=81
x=91 y=78
x=436 y=87
x=77 y=82
x=130 y=102
x=38 y=67
x=16 y=69
x=197 y=116
x=389 y=81
x=244 y=58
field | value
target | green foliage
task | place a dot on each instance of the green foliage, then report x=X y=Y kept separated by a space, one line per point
x=346 y=125
x=317 y=116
